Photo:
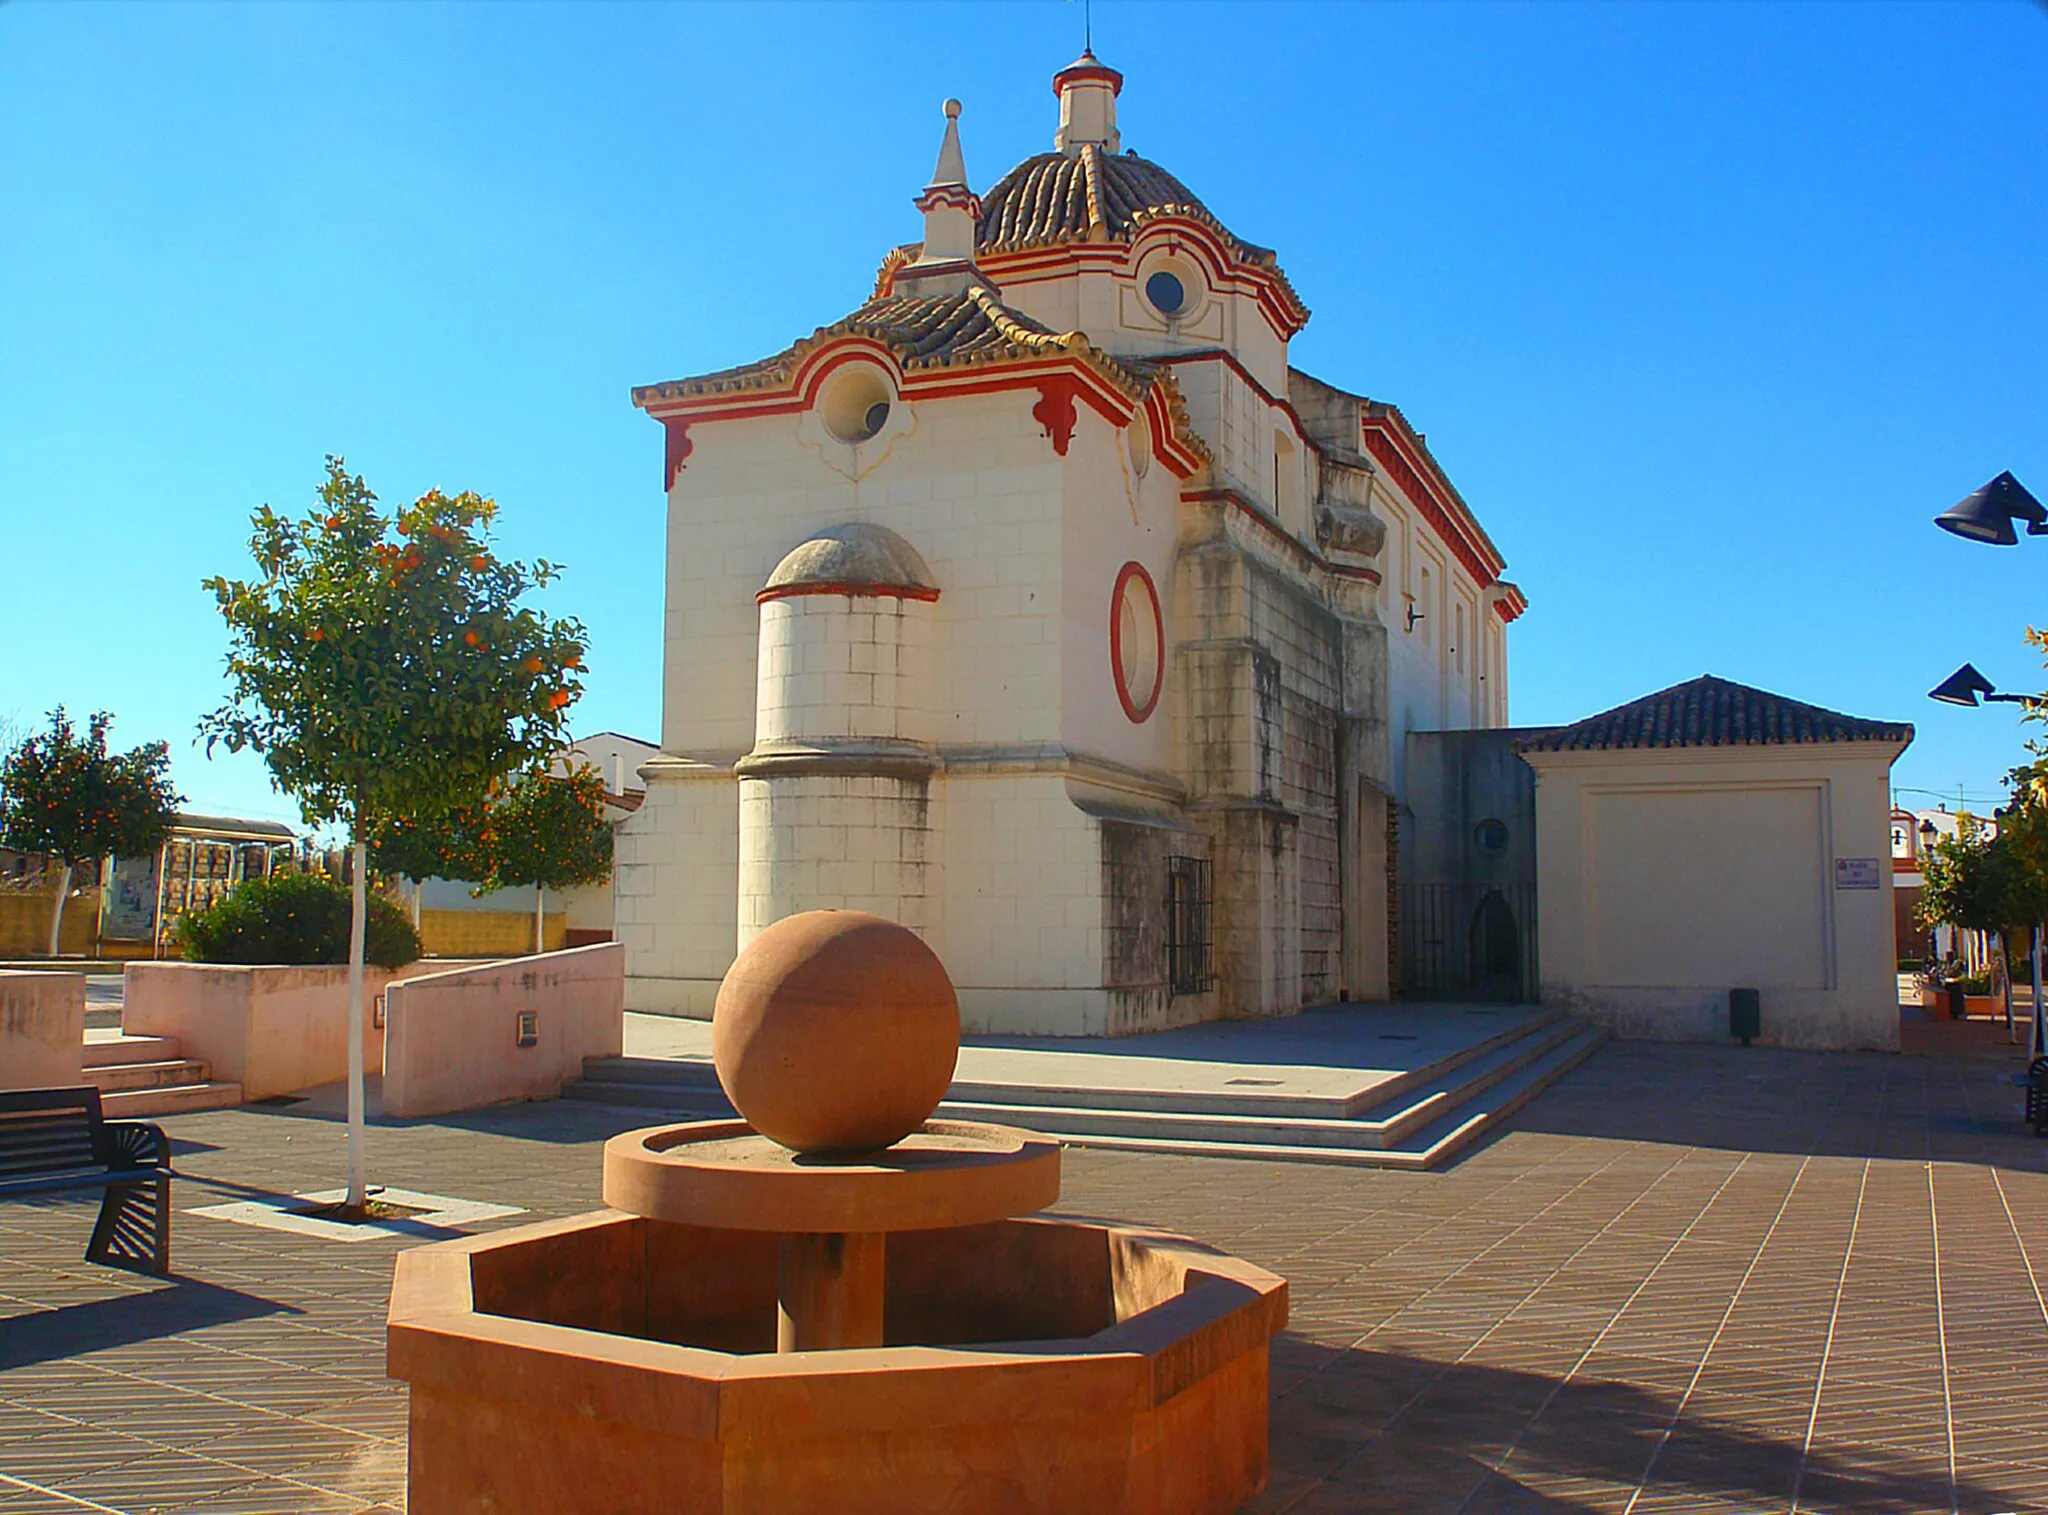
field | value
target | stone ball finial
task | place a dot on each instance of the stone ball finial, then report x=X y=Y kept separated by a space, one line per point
x=952 y=110
x=836 y=1031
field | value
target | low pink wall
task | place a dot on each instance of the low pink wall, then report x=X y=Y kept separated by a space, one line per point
x=273 y=1030
x=451 y=1040
x=42 y=1030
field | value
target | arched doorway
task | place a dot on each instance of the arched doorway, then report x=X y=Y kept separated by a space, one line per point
x=1495 y=947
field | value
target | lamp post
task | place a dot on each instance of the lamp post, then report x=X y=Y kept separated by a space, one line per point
x=1987 y=515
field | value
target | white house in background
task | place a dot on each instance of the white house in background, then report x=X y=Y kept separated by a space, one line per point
x=1040 y=604
x=1711 y=837
x=456 y=923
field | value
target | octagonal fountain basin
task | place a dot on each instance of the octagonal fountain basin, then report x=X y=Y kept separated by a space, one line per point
x=619 y=1362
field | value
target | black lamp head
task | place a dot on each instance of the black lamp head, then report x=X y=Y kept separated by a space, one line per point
x=1987 y=515
x=1961 y=687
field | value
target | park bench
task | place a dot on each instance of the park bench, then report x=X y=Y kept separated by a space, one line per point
x=2037 y=1096
x=56 y=1140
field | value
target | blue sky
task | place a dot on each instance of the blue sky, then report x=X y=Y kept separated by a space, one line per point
x=1706 y=309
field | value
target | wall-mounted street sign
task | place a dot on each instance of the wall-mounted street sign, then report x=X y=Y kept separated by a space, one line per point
x=1855 y=873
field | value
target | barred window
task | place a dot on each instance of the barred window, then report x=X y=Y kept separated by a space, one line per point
x=1187 y=925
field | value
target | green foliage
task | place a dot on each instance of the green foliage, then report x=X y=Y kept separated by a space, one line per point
x=73 y=800
x=547 y=831
x=1982 y=882
x=295 y=918
x=445 y=844
x=383 y=666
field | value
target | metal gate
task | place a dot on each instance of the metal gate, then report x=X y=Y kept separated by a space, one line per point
x=1461 y=941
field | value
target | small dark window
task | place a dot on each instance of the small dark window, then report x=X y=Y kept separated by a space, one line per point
x=1493 y=835
x=876 y=418
x=1187 y=925
x=1166 y=293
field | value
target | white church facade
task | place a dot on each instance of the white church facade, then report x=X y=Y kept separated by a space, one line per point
x=1041 y=605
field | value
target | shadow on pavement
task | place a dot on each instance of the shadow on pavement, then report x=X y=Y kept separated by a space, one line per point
x=1410 y=1432
x=180 y=1305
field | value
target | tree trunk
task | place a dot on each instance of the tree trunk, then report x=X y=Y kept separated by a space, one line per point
x=57 y=908
x=358 y=1183
x=540 y=919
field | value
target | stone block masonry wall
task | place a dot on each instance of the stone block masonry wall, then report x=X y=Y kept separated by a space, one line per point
x=1262 y=682
x=834 y=842
x=673 y=887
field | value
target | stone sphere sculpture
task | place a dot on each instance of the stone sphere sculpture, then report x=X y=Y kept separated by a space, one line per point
x=836 y=1031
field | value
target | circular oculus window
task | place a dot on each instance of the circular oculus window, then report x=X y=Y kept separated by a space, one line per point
x=1166 y=292
x=1137 y=639
x=855 y=402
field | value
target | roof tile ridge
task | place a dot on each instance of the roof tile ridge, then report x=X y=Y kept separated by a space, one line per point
x=1092 y=177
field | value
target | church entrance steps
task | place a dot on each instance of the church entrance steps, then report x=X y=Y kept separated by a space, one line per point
x=1423 y=1148
x=103 y=1047
x=141 y=1076
x=1399 y=1086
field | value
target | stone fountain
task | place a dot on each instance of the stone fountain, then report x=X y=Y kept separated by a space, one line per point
x=837 y=1303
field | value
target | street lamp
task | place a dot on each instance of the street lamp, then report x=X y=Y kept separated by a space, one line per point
x=1964 y=685
x=1987 y=515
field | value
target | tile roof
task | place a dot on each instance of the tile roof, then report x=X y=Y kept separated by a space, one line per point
x=941 y=332
x=1711 y=712
x=1053 y=198
x=934 y=331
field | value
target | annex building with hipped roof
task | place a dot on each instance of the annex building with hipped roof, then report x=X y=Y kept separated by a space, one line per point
x=1709 y=837
x=1041 y=605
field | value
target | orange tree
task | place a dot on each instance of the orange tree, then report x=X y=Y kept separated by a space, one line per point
x=76 y=802
x=385 y=666
x=547 y=832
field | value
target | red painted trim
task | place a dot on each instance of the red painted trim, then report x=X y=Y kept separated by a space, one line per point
x=1090 y=72
x=1429 y=500
x=1055 y=410
x=1138 y=713
x=959 y=196
x=676 y=446
x=848 y=588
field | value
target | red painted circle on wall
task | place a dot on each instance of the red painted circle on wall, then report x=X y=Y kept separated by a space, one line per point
x=1137 y=641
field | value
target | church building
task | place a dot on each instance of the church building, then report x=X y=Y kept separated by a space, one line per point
x=1040 y=605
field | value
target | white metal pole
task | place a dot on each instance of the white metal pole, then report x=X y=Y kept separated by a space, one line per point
x=358 y=1184
x=540 y=919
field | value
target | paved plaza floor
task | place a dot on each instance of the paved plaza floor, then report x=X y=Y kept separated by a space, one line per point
x=1683 y=1279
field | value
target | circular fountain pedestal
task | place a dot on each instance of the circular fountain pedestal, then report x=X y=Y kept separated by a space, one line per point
x=833 y=1213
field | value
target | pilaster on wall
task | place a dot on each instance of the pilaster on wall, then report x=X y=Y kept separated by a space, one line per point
x=676 y=912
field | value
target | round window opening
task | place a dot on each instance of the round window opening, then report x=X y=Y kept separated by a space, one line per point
x=1137 y=636
x=1167 y=294
x=1493 y=835
x=855 y=404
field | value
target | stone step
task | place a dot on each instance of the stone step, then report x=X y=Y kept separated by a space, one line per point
x=1417 y=1129
x=1385 y=1126
x=1426 y=1148
x=107 y=1045
x=109 y=1078
x=171 y=1099
x=688 y=1080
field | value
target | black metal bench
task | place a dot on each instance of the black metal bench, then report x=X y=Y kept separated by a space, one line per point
x=2037 y=1096
x=56 y=1140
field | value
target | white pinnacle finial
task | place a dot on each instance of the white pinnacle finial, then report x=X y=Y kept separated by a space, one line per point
x=952 y=167
x=945 y=264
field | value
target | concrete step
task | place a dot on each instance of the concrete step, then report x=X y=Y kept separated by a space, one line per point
x=171 y=1099
x=1385 y=1126
x=688 y=1099
x=111 y=1045
x=164 y=1073
x=687 y=1079
x=1426 y=1148
x=1418 y=1128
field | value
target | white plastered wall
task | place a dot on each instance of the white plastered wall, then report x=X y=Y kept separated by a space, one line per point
x=1665 y=878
